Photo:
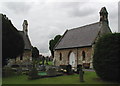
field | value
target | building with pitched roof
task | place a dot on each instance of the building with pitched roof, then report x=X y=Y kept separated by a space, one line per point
x=26 y=57
x=76 y=46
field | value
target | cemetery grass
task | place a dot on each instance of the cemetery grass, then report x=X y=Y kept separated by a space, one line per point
x=89 y=76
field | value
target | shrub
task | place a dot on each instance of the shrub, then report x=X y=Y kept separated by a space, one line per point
x=7 y=72
x=106 y=57
x=33 y=74
x=10 y=35
x=51 y=72
x=19 y=71
x=69 y=70
x=63 y=66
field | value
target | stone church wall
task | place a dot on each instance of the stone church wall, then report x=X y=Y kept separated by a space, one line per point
x=78 y=55
x=25 y=58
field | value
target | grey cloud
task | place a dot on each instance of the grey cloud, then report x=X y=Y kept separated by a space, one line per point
x=43 y=48
x=113 y=13
x=82 y=12
x=76 y=9
x=66 y=5
x=18 y=7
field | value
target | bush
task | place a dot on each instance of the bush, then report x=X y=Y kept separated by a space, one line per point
x=7 y=72
x=63 y=67
x=106 y=57
x=51 y=72
x=10 y=35
x=19 y=71
x=33 y=74
x=69 y=70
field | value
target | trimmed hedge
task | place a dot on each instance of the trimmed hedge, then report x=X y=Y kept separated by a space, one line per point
x=107 y=57
x=8 y=72
x=33 y=74
x=12 y=41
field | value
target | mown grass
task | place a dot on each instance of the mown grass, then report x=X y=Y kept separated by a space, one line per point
x=89 y=77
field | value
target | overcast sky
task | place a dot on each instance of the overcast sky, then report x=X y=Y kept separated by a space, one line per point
x=47 y=18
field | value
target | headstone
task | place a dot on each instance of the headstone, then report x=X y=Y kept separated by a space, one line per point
x=51 y=72
x=42 y=68
x=79 y=67
x=81 y=74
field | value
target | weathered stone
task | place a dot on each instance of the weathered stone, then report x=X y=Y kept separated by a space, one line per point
x=78 y=56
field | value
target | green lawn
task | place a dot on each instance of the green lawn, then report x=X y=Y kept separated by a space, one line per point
x=90 y=78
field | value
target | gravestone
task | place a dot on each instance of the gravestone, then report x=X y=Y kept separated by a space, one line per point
x=51 y=72
x=79 y=67
x=42 y=68
x=81 y=73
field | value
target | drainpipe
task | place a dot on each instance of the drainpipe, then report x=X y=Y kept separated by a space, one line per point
x=77 y=56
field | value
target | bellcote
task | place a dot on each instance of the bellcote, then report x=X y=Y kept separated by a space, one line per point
x=25 y=27
x=103 y=15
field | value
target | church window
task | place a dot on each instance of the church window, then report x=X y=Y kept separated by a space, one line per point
x=83 y=55
x=60 y=56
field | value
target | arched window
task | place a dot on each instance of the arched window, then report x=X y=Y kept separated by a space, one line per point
x=83 y=55
x=60 y=56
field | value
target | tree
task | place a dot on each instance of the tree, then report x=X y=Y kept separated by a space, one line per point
x=35 y=55
x=106 y=57
x=47 y=59
x=53 y=42
x=12 y=41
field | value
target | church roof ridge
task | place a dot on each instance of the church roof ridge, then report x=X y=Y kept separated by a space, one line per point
x=81 y=27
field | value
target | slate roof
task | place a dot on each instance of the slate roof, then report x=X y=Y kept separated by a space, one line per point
x=79 y=37
x=26 y=41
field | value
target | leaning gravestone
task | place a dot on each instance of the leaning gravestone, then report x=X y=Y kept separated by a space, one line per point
x=81 y=73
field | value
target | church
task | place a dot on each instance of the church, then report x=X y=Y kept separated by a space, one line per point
x=76 y=46
x=26 y=57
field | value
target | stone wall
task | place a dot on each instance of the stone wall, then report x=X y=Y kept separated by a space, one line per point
x=78 y=55
x=27 y=55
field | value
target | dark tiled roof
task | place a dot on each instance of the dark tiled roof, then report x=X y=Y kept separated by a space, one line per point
x=79 y=37
x=26 y=40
